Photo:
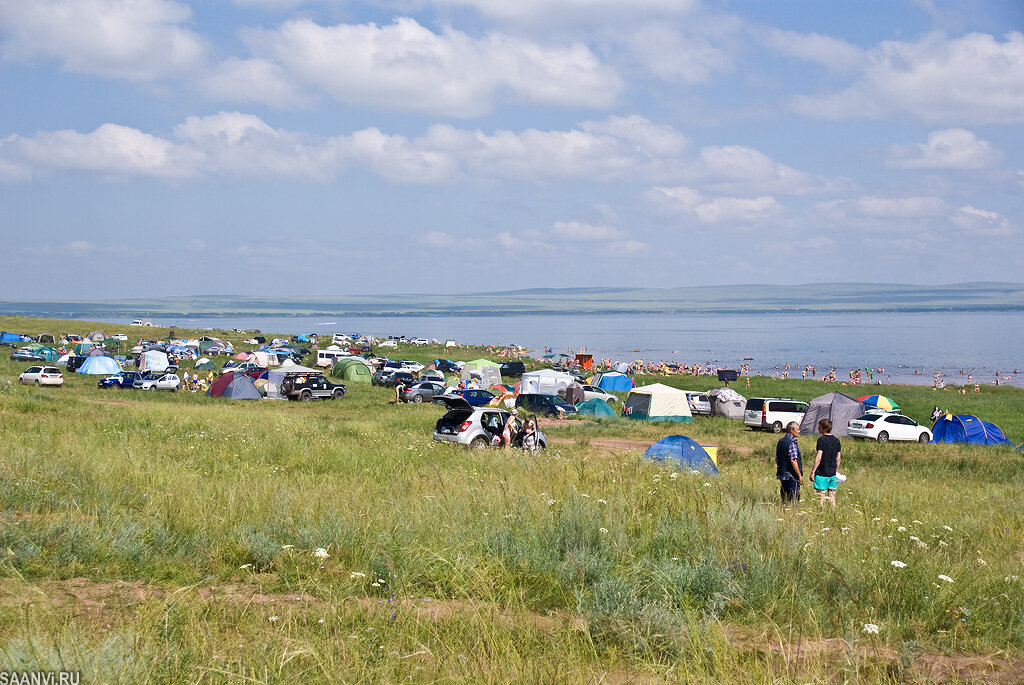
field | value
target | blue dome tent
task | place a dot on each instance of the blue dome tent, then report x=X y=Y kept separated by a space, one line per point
x=683 y=453
x=965 y=428
x=613 y=381
x=106 y=366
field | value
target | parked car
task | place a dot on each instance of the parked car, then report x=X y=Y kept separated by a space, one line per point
x=121 y=381
x=41 y=375
x=551 y=406
x=475 y=397
x=388 y=343
x=24 y=355
x=447 y=366
x=476 y=427
x=406 y=378
x=304 y=386
x=592 y=392
x=419 y=342
x=772 y=413
x=424 y=391
x=382 y=375
x=410 y=365
x=158 y=381
x=699 y=402
x=119 y=336
x=886 y=426
x=512 y=369
x=75 y=362
x=433 y=376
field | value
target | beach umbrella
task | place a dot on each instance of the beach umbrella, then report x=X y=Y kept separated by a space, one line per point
x=879 y=402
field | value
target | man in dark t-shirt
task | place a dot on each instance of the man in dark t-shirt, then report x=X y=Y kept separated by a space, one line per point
x=826 y=463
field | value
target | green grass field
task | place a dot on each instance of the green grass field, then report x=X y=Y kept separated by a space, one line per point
x=154 y=537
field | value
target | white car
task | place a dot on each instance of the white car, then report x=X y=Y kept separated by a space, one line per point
x=699 y=402
x=119 y=336
x=772 y=413
x=41 y=375
x=886 y=426
x=432 y=375
x=388 y=343
x=420 y=341
x=592 y=392
x=411 y=366
x=168 y=381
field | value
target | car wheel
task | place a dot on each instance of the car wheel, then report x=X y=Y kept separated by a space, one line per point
x=417 y=399
x=883 y=437
x=478 y=443
x=305 y=396
x=551 y=415
x=923 y=439
x=174 y=389
x=777 y=427
x=152 y=387
x=338 y=394
x=38 y=382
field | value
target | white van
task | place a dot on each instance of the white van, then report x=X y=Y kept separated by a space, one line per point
x=772 y=413
x=330 y=357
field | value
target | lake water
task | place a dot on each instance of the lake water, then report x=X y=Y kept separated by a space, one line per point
x=978 y=342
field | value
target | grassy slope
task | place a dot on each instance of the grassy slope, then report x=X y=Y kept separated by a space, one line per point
x=577 y=564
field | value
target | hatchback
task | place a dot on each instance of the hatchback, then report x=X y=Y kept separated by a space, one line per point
x=42 y=375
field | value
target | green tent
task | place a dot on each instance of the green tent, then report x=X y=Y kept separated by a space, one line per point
x=205 y=365
x=489 y=372
x=83 y=348
x=597 y=408
x=351 y=370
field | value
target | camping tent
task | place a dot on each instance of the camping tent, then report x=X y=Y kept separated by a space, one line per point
x=204 y=364
x=46 y=338
x=97 y=352
x=684 y=454
x=967 y=429
x=585 y=360
x=234 y=386
x=83 y=348
x=837 y=407
x=613 y=381
x=153 y=360
x=727 y=402
x=100 y=365
x=351 y=370
x=9 y=337
x=657 y=402
x=545 y=382
x=595 y=407
x=488 y=372
x=96 y=336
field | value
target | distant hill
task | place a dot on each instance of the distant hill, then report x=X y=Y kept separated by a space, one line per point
x=751 y=298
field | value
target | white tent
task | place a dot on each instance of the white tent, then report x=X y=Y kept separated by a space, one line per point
x=154 y=360
x=486 y=372
x=545 y=382
x=657 y=402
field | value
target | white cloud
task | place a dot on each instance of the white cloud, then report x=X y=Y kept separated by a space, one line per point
x=406 y=66
x=139 y=40
x=905 y=207
x=254 y=80
x=975 y=78
x=953 y=148
x=718 y=210
x=576 y=230
x=578 y=10
x=80 y=246
x=628 y=247
x=833 y=53
x=676 y=57
x=735 y=168
x=981 y=222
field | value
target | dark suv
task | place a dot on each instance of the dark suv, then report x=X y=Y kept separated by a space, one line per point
x=551 y=406
x=304 y=386
x=512 y=369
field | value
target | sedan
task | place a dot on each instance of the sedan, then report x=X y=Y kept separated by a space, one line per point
x=592 y=392
x=120 y=336
x=886 y=426
x=27 y=356
x=476 y=398
x=167 y=381
x=42 y=375
x=121 y=381
x=424 y=391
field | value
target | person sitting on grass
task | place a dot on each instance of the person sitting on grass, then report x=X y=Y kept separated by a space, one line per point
x=826 y=464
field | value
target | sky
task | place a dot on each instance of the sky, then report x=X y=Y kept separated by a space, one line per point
x=156 y=148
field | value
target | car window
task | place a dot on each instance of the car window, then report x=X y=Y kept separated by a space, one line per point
x=755 y=404
x=32 y=369
x=51 y=369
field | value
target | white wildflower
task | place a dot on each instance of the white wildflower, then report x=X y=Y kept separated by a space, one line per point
x=982 y=561
x=583 y=494
x=550 y=502
x=922 y=544
x=245 y=566
x=286 y=547
x=945 y=578
x=601 y=501
x=356 y=574
x=1011 y=579
x=901 y=529
x=321 y=621
x=673 y=475
x=876 y=519
x=943 y=543
x=948 y=528
x=272 y=618
x=898 y=564
x=871 y=628
x=915 y=538
x=915 y=521
x=320 y=553
x=604 y=530
x=707 y=485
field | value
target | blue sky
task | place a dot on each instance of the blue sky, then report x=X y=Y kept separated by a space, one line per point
x=165 y=147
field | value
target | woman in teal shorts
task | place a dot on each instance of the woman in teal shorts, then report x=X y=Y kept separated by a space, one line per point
x=826 y=463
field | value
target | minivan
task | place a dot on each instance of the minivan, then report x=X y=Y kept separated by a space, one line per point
x=772 y=413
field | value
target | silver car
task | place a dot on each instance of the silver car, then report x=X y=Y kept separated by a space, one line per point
x=476 y=427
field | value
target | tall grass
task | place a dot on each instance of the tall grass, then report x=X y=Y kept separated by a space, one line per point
x=156 y=537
